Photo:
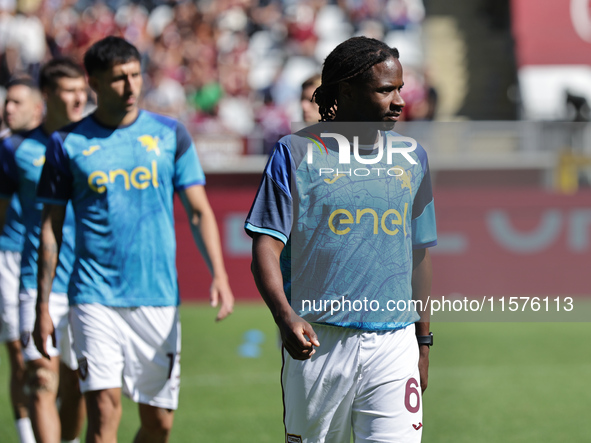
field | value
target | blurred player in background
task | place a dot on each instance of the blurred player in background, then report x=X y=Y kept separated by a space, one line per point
x=63 y=86
x=310 y=112
x=120 y=167
x=23 y=108
x=345 y=372
x=23 y=111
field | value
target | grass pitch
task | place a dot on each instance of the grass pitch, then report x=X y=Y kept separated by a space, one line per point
x=489 y=382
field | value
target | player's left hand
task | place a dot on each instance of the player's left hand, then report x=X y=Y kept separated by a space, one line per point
x=43 y=329
x=220 y=292
x=424 y=366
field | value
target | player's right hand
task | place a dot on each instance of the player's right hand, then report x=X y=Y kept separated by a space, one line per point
x=43 y=329
x=220 y=293
x=298 y=336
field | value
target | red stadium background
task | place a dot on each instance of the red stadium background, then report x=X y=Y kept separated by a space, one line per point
x=556 y=32
x=491 y=242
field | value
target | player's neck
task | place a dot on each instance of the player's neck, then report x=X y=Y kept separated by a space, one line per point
x=108 y=118
x=367 y=133
x=32 y=125
x=25 y=129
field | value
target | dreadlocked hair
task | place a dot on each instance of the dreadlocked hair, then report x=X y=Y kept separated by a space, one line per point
x=350 y=61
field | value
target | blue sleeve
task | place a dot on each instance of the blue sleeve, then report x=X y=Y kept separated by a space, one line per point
x=55 y=184
x=8 y=170
x=187 y=168
x=272 y=210
x=424 y=229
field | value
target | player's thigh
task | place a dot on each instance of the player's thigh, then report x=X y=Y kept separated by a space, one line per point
x=99 y=346
x=392 y=413
x=152 y=356
x=388 y=406
x=9 y=288
x=58 y=311
x=318 y=393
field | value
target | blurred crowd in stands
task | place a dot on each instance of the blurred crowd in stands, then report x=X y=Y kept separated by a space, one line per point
x=221 y=66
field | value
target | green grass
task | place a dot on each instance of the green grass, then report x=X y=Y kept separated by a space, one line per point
x=489 y=382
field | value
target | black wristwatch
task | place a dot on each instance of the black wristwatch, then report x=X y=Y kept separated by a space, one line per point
x=425 y=339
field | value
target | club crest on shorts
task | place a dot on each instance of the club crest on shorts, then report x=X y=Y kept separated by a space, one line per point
x=291 y=438
x=83 y=368
x=25 y=338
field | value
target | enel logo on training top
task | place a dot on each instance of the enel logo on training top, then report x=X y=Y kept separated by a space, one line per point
x=392 y=215
x=140 y=178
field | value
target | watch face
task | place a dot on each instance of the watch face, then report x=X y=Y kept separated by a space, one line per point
x=426 y=339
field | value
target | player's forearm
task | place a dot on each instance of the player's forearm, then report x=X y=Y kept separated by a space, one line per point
x=204 y=229
x=421 y=290
x=207 y=238
x=267 y=275
x=47 y=264
x=50 y=241
x=422 y=275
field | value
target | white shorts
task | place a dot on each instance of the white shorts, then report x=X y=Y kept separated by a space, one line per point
x=136 y=349
x=365 y=382
x=58 y=311
x=10 y=270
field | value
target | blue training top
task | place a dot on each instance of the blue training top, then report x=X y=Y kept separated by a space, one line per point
x=12 y=236
x=121 y=183
x=21 y=158
x=350 y=222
